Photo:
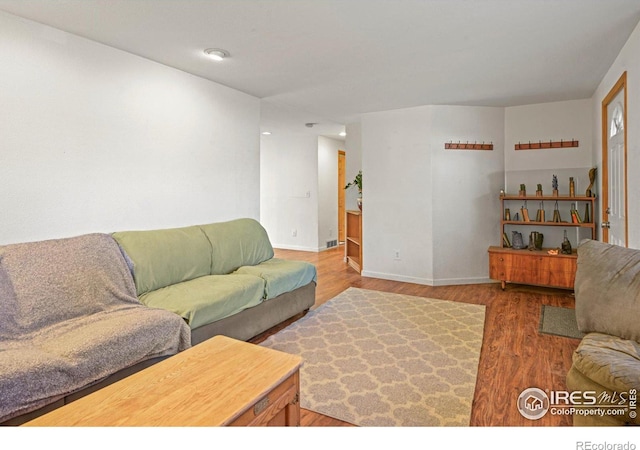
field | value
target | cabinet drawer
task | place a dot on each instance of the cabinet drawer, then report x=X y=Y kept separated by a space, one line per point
x=499 y=263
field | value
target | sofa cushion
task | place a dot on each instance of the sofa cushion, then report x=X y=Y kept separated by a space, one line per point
x=609 y=361
x=209 y=298
x=240 y=242
x=165 y=257
x=281 y=275
x=607 y=289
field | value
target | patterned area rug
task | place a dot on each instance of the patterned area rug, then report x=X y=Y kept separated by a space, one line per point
x=379 y=359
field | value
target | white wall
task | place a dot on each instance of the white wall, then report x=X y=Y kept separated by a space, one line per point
x=93 y=139
x=549 y=122
x=397 y=195
x=466 y=187
x=289 y=190
x=544 y=122
x=429 y=214
x=628 y=60
x=328 y=189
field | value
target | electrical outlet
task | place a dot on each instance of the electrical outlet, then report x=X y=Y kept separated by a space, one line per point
x=294 y=233
x=396 y=254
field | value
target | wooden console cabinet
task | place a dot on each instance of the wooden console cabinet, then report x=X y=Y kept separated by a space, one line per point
x=538 y=267
x=535 y=267
x=353 y=244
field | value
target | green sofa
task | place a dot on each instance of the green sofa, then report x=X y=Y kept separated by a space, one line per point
x=606 y=364
x=221 y=278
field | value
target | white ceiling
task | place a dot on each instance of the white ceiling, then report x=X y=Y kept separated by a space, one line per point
x=331 y=60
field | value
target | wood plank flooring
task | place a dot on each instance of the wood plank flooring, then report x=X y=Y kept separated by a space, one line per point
x=514 y=355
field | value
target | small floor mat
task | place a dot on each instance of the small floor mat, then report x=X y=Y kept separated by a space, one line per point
x=559 y=322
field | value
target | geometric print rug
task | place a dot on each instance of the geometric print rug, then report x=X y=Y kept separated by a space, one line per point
x=380 y=359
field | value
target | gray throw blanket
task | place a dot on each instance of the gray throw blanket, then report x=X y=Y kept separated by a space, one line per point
x=69 y=317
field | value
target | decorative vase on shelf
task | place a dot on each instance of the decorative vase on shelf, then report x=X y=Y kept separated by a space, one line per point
x=592 y=179
x=517 y=242
x=523 y=191
x=572 y=187
x=566 y=245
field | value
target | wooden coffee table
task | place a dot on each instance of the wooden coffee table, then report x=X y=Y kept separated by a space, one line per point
x=221 y=381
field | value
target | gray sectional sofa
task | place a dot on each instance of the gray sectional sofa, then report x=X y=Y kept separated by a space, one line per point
x=606 y=364
x=80 y=313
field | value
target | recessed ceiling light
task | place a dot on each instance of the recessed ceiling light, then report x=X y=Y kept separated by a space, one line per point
x=342 y=133
x=266 y=133
x=217 y=54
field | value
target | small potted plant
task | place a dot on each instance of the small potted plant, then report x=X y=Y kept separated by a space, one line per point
x=523 y=191
x=539 y=191
x=357 y=181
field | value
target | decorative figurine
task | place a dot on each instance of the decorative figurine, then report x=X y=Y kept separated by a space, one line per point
x=572 y=187
x=523 y=191
x=556 y=214
x=539 y=240
x=566 y=245
x=535 y=240
x=516 y=241
x=540 y=213
x=587 y=214
x=592 y=179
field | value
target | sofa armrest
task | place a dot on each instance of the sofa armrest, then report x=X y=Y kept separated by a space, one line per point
x=607 y=290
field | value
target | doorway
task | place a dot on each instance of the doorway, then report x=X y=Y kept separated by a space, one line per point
x=342 y=165
x=614 y=165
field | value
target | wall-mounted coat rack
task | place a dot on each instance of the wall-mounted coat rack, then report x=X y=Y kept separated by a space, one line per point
x=467 y=146
x=546 y=144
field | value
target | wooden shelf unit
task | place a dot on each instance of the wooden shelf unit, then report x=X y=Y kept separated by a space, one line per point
x=353 y=243
x=591 y=201
x=537 y=267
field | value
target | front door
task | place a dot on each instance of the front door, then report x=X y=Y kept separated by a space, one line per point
x=614 y=214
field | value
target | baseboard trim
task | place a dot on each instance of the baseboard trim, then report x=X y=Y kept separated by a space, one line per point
x=394 y=277
x=461 y=281
x=299 y=248
x=427 y=281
